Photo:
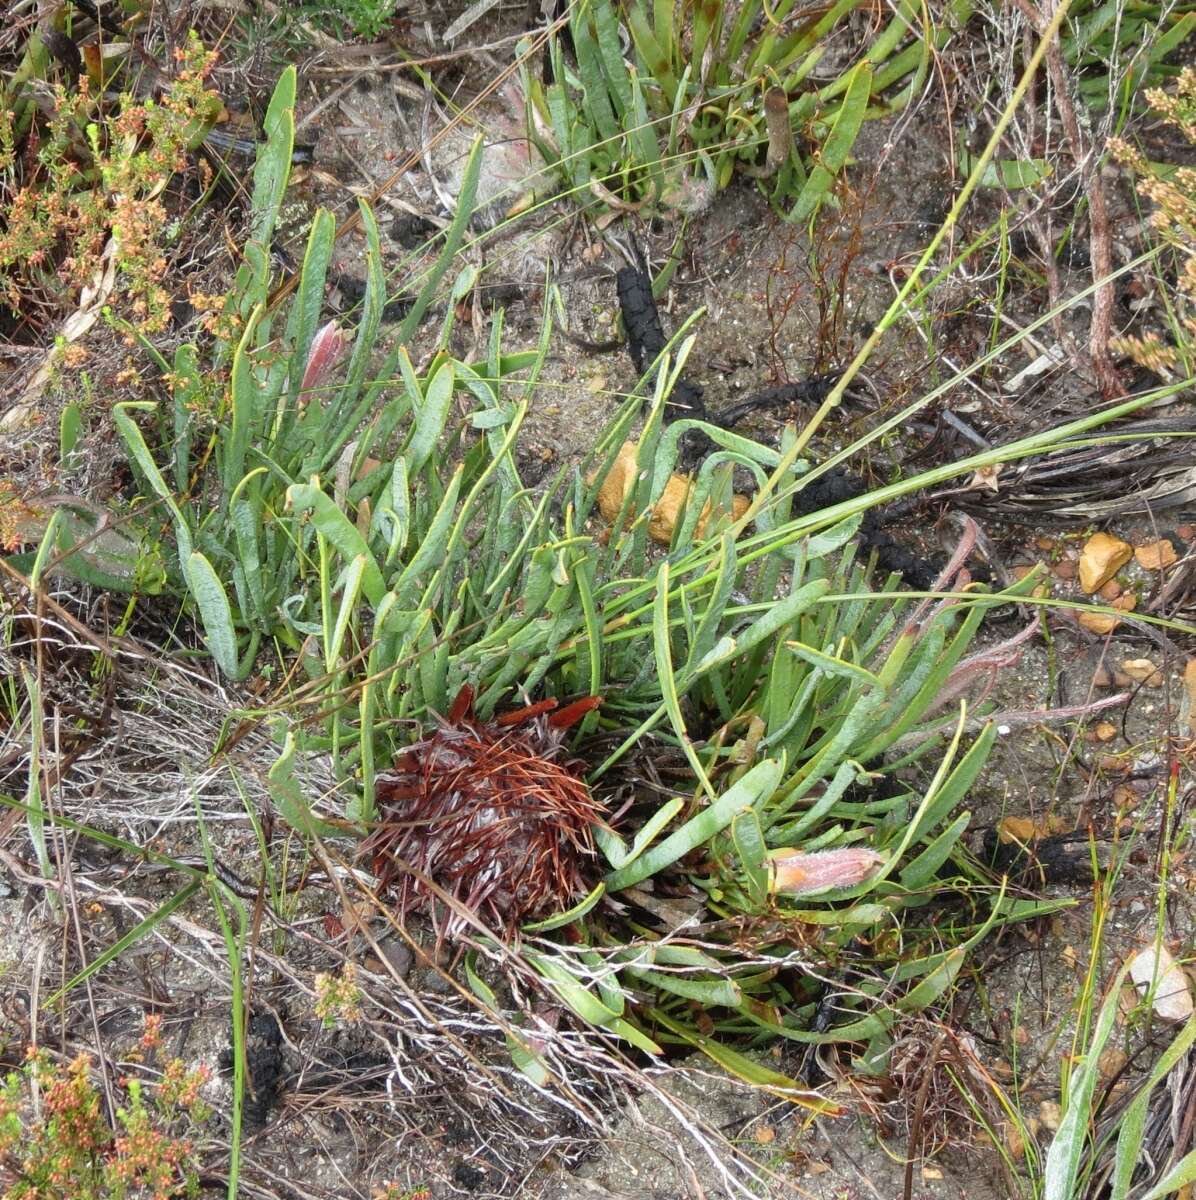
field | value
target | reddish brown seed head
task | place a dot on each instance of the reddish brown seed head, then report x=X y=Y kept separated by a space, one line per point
x=490 y=813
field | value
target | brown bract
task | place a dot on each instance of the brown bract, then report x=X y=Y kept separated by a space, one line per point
x=491 y=813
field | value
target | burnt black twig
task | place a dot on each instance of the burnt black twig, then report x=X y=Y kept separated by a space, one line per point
x=808 y=391
x=645 y=335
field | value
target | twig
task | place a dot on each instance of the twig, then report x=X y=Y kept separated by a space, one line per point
x=1088 y=164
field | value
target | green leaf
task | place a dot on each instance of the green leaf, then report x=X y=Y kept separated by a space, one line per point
x=186 y=396
x=755 y=787
x=606 y=26
x=246 y=522
x=304 y=317
x=615 y=849
x=244 y=399
x=779 y=615
x=431 y=414
x=923 y=868
x=214 y=612
x=570 y=915
x=748 y=838
x=709 y=992
x=667 y=677
x=134 y=935
x=751 y=1071
x=1008 y=173
x=834 y=152
x=70 y=425
x=466 y=198
x=273 y=166
x=351 y=590
x=1133 y=1124
x=332 y=524
x=135 y=442
x=35 y=810
x=1062 y=1166
x=1180 y=1176
x=589 y=65
x=340 y=427
x=287 y=794
x=430 y=551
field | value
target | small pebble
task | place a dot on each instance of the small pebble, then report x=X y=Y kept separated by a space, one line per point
x=1154 y=556
x=1102 y=557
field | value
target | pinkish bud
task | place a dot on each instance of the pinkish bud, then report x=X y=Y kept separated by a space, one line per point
x=327 y=349
x=798 y=873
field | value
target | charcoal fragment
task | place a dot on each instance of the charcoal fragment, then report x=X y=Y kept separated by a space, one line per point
x=645 y=335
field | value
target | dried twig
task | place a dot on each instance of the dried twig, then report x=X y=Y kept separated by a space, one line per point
x=1087 y=162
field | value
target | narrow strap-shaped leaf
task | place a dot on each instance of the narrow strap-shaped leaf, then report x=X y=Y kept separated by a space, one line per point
x=340 y=426
x=749 y=1070
x=133 y=439
x=432 y=412
x=589 y=66
x=308 y=302
x=759 y=783
x=186 y=391
x=131 y=938
x=1133 y=1124
x=1061 y=1169
x=332 y=524
x=245 y=400
x=431 y=549
x=214 y=612
x=710 y=992
x=668 y=679
x=1181 y=1176
x=246 y=522
x=350 y=591
x=606 y=25
x=923 y=868
x=833 y=154
x=466 y=198
x=616 y=850
x=271 y=172
x=570 y=915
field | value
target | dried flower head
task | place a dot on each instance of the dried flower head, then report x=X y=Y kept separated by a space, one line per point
x=491 y=813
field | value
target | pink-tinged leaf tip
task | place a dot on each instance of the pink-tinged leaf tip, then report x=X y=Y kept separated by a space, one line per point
x=327 y=349
x=797 y=873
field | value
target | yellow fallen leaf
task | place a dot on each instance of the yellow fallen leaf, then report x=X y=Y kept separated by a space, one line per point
x=667 y=510
x=618 y=482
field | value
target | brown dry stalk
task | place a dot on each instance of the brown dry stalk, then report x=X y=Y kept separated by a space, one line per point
x=1087 y=162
